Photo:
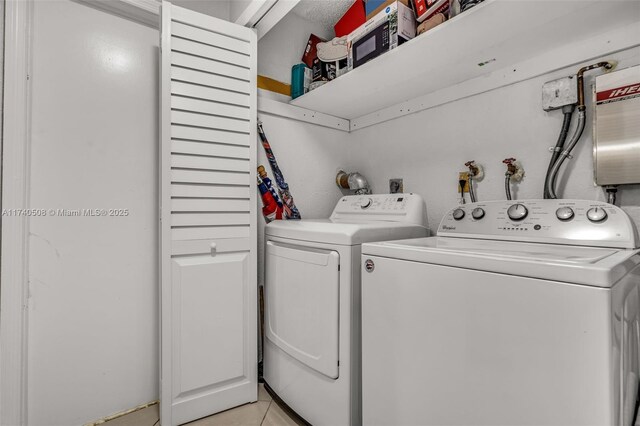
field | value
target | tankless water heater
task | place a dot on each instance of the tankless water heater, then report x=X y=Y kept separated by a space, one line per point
x=616 y=135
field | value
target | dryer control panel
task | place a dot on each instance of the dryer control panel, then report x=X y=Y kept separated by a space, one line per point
x=406 y=208
x=577 y=222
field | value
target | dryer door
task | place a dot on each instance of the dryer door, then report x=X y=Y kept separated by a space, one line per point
x=302 y=304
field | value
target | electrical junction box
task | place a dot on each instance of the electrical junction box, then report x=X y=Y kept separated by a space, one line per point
x=616 y=133
x=396 y=186
x=560 y=92
x=463 y=176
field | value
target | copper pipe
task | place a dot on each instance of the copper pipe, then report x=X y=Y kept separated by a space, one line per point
x=606 y=65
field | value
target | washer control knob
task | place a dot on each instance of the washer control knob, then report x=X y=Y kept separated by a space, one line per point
x=565 y=213
x=596 y=214
x=477 y=213
x=365 y=204
x=458 y=214
x=517 y=212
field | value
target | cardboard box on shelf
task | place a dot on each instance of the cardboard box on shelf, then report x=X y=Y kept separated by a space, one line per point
x=425 y=9
x=392 y=26
x=373 y=7
x=325 y=71
x=352 y=19
x=431 y=23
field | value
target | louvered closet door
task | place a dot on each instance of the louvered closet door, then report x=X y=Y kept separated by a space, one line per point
x=208 y=216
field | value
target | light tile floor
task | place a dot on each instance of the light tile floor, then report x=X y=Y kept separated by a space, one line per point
x=264 y=412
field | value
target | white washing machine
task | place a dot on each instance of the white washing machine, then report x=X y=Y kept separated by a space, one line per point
x=516 y=313
x=312 y=302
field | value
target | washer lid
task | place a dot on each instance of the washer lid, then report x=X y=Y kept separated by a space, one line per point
x=601 y=267
x=343 y=232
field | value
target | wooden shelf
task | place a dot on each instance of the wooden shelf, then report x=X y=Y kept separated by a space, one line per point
x=492 y=36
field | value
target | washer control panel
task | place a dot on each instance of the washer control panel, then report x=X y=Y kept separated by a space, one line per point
x=408 y=208
x=577 y=222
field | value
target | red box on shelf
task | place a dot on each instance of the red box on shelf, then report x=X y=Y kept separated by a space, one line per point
x=310 y=50
x=425 y=9
x=352 y=19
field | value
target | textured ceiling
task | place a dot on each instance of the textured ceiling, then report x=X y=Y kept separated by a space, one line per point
x=326 y=12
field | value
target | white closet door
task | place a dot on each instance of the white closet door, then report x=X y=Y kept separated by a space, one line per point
x=208 y=216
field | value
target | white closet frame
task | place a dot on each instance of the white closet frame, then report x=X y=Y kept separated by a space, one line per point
x=14 y=285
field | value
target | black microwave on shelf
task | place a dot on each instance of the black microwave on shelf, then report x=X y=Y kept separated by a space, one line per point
x=371 y=45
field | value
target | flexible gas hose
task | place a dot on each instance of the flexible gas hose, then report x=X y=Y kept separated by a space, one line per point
x=507 y=185
x=562 y=138
x=472 y=194
x=551 y=184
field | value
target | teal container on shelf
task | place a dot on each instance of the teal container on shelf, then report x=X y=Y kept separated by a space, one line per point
x=297 y=80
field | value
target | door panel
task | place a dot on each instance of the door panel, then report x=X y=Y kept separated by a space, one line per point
x=206 y=293
x=211 y=122
x=211 y=52
x=187 y=191
x=186 y=60
x=210 y=149
x=302 y=309
x=211 y=177
x=208 y=205
x=200 y=233
x=203 y=78
x=208 y=216
x=210 y=163
x=208 y=135
x=191 y=32
x=186 y=88
x=210 y=107
x=223 y=245
x=211 y=219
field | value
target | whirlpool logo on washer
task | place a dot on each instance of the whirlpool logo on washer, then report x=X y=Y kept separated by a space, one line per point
x=369 y=265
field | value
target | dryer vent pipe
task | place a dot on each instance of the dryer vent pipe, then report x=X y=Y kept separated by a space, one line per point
x=354 y=181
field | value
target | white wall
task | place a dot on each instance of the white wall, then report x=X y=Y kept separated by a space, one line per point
x=282 y=47
x=236 y=8
x=217 y=8
x=93 y=285
x=1 y=81
x=429 y=148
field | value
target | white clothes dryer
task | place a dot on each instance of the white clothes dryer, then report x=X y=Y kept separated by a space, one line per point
x=312 y=302
x=516 y=313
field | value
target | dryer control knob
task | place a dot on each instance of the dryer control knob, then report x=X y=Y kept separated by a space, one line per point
x=596 y=214
x=477 y=213
x=564 y=213
x=458 y=214
x=517 y=212
x=365 y=204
